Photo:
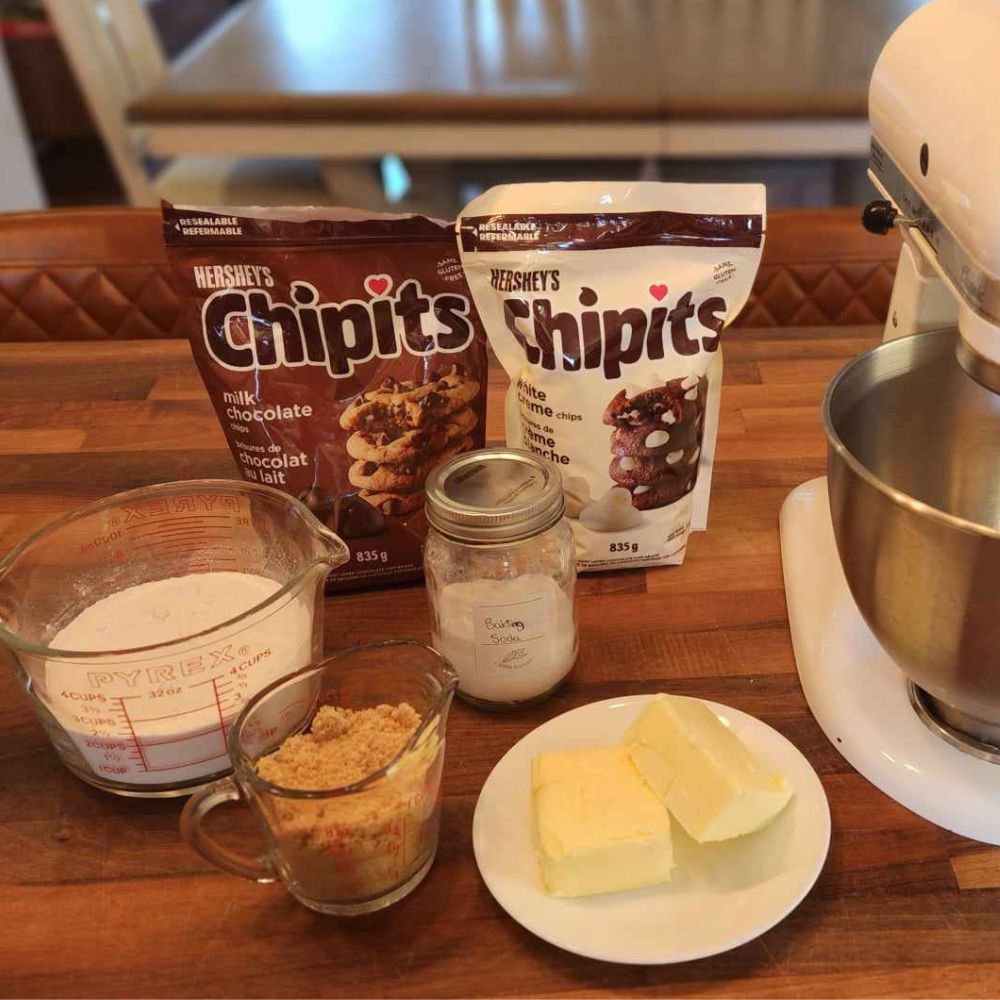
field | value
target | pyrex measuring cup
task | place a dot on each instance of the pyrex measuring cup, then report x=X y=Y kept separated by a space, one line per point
x=153 y=720
x=354 y=848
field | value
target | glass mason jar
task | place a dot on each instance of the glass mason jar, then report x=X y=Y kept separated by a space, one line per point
x=501 y=576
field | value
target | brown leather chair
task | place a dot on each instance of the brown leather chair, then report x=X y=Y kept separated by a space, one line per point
x=85 y=274
x=101 y=274
x=821 y=268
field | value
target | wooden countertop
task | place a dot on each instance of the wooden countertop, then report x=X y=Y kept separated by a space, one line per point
x=99 y=897
x=509 y=60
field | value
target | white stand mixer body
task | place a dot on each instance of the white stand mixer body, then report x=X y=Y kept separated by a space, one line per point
x=921 y=300
x=934 y=104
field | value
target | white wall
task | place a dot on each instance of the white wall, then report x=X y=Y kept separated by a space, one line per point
x=20 y=187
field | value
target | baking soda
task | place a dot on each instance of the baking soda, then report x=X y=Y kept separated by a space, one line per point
x=509 y=640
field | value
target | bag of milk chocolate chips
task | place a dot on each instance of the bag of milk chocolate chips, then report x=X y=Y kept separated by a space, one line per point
x=605 y=303
x=344 y=358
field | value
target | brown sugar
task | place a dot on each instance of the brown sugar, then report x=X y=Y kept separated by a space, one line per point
x=343 y=746
x=362 y=843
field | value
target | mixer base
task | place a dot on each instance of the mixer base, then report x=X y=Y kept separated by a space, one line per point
x=860 y=698
x=951 y=725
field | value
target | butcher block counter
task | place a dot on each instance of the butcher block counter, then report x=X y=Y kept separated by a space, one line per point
x=99 y=896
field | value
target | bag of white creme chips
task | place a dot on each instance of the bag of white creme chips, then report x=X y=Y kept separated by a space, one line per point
x=604 y=303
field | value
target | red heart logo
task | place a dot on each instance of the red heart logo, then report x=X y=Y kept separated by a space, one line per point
x=378 y=284
x=658 y=291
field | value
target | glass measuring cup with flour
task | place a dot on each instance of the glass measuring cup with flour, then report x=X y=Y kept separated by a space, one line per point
x=141 y=624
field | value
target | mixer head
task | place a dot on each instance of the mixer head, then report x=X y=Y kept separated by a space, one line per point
x=935 y=147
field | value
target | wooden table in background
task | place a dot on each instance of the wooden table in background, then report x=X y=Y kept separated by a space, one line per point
x=525 y=78
x=98 y=896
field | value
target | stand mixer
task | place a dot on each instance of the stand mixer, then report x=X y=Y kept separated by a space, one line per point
x=892 y=563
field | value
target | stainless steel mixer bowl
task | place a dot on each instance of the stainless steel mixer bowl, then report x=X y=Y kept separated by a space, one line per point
x=914 y=481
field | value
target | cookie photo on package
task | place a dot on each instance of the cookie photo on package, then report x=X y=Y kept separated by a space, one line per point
x=605 y=302
x=344 y=359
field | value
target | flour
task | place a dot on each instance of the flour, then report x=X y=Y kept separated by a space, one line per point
x=163 y=610
x=163 y=715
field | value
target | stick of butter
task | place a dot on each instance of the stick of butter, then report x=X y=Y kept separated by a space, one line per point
x=705 y=776
x=599 y=827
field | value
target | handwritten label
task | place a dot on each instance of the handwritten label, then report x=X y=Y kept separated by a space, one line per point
x=510 y=637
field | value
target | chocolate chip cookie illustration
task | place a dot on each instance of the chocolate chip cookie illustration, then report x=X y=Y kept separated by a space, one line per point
x=401 y=430
x=394 y=504
x=380 y=478
x=398 y=445
x=653 y=442
x=410 y=403
x=656 y=441
x=664 y=491
x=631 y=471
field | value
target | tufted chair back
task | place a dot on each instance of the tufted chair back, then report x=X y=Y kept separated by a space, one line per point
x=821 y=268
x=85 y=274
x=101 y=274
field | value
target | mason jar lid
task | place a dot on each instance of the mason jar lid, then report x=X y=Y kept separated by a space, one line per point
x=494 y=495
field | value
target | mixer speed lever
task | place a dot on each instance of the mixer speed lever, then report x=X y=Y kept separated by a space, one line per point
x=880 y=216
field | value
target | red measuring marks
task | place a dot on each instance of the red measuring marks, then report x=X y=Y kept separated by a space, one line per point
x=136 y=752
x=187 y=737
x=180 y=534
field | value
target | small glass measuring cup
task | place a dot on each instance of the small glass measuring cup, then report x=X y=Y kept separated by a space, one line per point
x=362 y=846
x=154 y=720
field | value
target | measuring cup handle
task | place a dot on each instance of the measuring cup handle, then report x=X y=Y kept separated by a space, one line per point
x=197 y=808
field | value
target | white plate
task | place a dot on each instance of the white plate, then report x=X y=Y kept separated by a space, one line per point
x=722 y=895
